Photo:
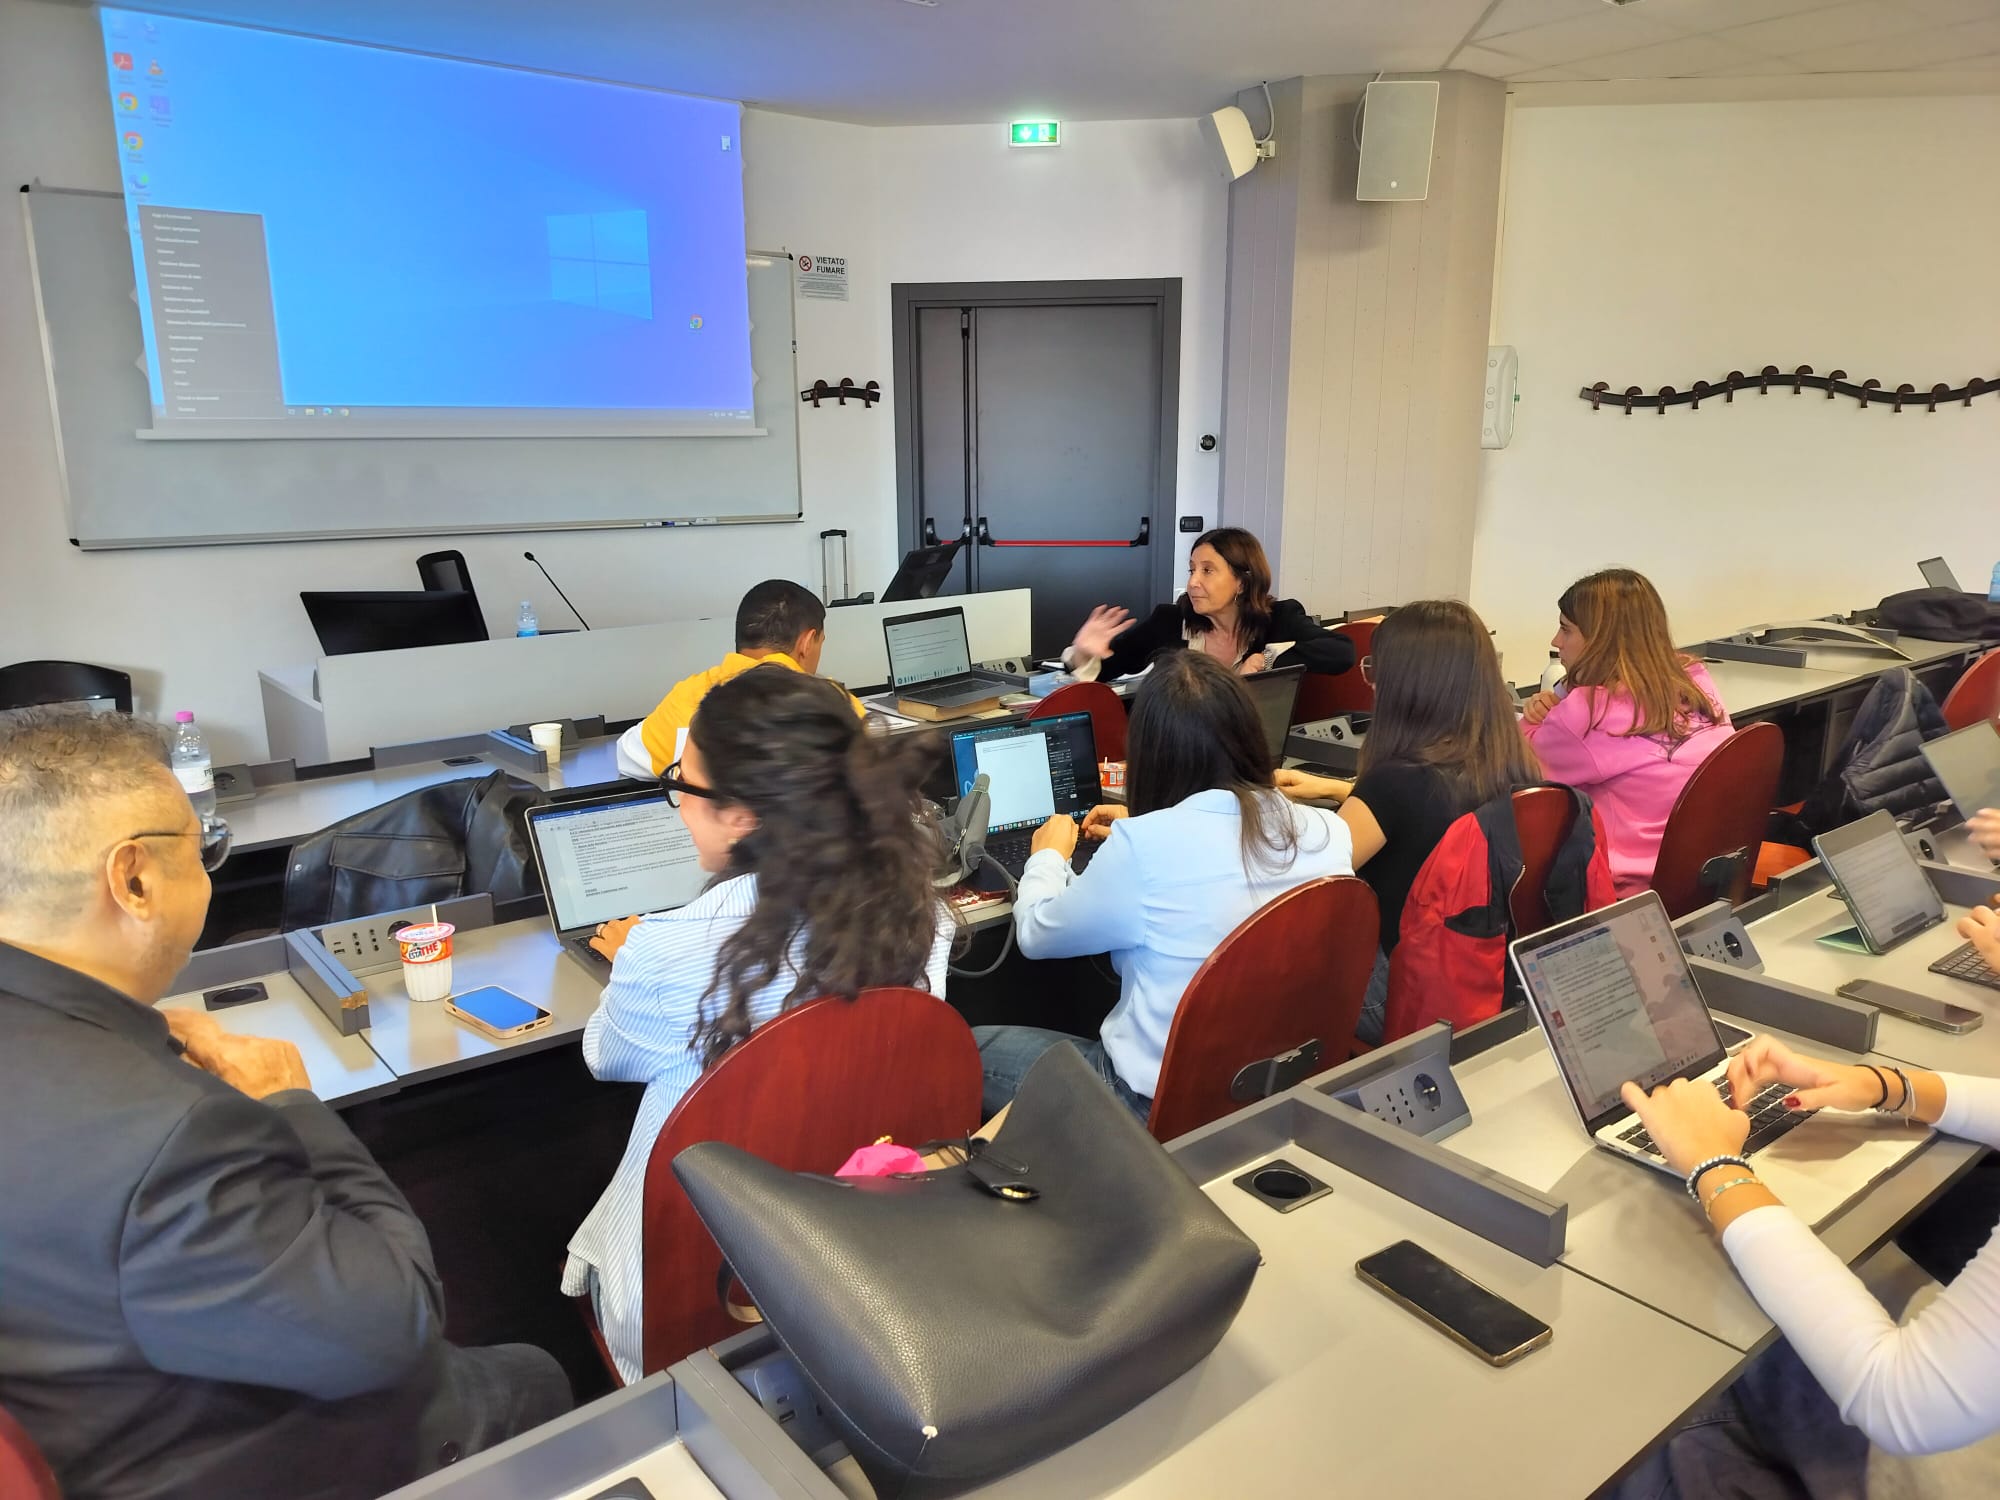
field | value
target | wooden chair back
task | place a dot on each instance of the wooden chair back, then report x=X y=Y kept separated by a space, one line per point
x=1975 y=697
x=24 y=1473
x=1106 y=710
x=1324 y=694
x=1720 y=816
x=1294 y=971
x=802 y=1092
x=1543 y=817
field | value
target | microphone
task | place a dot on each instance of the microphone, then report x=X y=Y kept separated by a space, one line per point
x=557 y=587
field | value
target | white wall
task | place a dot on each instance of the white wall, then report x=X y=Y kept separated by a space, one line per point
x=1657 y=245
x=194 y=625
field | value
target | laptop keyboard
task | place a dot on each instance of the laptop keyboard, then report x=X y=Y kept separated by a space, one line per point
x=1011 y=850
x=1965 y=963
x=1769 y=1119
x=941 y=693
x=591 y=957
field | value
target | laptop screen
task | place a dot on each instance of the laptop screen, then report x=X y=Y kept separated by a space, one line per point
x=1968 y=763
x=1036 y=769
x=1937 y=573
x=601 y=860
x=1617 y=1001
x=1886 y=891
x=926 y=647
x=1276 y=694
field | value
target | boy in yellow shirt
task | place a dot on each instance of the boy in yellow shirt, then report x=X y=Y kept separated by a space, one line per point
x=778 y=622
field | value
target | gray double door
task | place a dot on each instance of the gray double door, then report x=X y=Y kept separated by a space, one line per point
x=1043 y=433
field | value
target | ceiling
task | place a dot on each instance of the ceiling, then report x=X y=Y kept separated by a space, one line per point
x=908 y=62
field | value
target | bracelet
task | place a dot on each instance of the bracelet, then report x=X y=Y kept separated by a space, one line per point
x=1714 y=1161
x=1882 y=1079
x=1907 y=1105
x=1734 y=1182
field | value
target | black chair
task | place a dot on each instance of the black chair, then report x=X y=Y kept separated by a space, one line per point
x=446 y=572
x=33 y=684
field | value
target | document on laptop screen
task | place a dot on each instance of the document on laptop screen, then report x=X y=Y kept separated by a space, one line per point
x=1023 y=785
x=1620 y=1005
x=1889 y=891
x=616 y=860
x=924 y=650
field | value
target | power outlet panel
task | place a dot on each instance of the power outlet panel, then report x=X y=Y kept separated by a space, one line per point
x=1421 y=1096
x=367 y=945
x=1717 y=934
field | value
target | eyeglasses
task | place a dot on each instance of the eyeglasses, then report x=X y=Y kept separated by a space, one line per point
x=673 y=786
x=1368 y=670
x=216 y=839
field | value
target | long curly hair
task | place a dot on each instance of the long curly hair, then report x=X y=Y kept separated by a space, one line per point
x=1628 y=648
x=842 y=866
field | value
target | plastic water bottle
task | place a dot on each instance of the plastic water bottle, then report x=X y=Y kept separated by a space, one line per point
x=1993 y=588
x=1552 y=671
x=192 y=766
x=525 y=623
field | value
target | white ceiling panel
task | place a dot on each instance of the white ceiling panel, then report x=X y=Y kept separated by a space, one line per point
x=1832 y=26
x=1684 y=57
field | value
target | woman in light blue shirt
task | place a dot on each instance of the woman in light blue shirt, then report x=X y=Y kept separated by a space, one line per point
x=822 y=887
x=1203 y=840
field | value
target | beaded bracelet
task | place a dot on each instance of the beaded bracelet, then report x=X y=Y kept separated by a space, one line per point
x=1734 y=1182
x=1714 y=1161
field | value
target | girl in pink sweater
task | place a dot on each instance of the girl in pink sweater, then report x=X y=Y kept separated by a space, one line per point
x=1631 y=719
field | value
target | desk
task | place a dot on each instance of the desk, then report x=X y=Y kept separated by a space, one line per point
x=343 y=1070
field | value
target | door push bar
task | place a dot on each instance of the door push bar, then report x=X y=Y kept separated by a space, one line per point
x=985 y=538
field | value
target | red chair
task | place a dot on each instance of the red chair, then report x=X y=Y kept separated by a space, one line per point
x=1976 y=694
x=1714 y=834
x=801 y=1091
x=1294 y=971
x=1543 y=817
x=1324 y=694
x=1106 y=710
x=24 y=1473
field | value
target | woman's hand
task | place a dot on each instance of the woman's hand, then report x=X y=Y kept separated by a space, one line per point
x=1816 y=1084
x=1106 y=623
x=611 y=936
x=1984 y=826
x=1537 y=708
x=1252 y=663
x=1303 y=786
x=1982 y=926
x=1097 y=822
x=1059 y=834
x=1688 y=1121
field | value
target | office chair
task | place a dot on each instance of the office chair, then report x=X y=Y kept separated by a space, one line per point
x=34 y=684
x=1105 y=707
x=1710 y=847
x=1976 y=694
x=446 y=572
x=1543 y=817
x=1323 y=694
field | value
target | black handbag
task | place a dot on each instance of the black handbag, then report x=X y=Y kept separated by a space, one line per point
x=963 y=1323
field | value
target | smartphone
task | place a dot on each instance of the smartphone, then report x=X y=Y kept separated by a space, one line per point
x=1454 y=1304
x=497 y=1013
x=1911 y=1006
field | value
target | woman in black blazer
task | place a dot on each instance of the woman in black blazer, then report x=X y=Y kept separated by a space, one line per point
x=1227 y=612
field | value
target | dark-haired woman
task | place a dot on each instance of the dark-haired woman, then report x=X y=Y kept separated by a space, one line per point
x=1443 y=740
x=822 y=887
x=1227 y=613
x=1203 y=840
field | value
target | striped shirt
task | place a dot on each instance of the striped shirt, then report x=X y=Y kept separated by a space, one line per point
x=643 y=1032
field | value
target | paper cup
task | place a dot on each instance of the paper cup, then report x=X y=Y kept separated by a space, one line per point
x=426 y=960
x=1111 y=775
x=548 y=740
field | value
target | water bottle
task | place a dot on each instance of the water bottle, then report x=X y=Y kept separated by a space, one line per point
x=192 y=766
x=1552 y=671
x=1993 y=588
x=525 y=623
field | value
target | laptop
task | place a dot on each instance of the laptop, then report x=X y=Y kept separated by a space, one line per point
x=1035 y=769
x=350 y=622
x=1890 y=897
x=1937 y=573
x=1967 y=763
x=1276 y=694
x=1617 y=1000
x=611 y=856
x=930 y=661
x=921 y=573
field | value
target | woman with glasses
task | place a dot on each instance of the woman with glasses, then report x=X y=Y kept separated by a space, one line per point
x=1442 y=741
x=821 y=887
x=1632 y=718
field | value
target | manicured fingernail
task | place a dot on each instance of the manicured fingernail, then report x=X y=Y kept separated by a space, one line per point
x=1792 y=1102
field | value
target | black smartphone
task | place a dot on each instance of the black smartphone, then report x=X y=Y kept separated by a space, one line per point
x=1453 y=1303
x=1911 y=1006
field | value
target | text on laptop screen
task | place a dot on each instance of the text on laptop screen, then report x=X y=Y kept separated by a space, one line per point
x=615 y=859
x=925 y=648
x=1886 y=889
x=1619 y=1003
x=1035 y=770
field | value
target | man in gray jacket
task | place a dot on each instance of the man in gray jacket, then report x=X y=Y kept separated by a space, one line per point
x=208 y=1288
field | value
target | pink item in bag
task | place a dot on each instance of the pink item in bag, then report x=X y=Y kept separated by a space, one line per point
x=884 y=1159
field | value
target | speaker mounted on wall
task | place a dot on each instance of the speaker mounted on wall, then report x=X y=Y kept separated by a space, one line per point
x=1398 y=129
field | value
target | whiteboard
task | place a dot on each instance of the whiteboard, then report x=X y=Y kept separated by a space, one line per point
x=122 y=491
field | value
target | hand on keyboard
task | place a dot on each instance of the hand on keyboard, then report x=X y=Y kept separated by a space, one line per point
x=1688 y=1122
x=1981 y=928
x=1814 y=1083
x=611 y=935
x=1059 y=834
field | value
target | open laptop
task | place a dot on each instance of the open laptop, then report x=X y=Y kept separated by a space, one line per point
x=1937 y=573
x=612 y=856
x=1967 y=763
x=1035 y=769
x=1276 y=694
x=1617 y=1000
x=921 y=573
x=930 y=660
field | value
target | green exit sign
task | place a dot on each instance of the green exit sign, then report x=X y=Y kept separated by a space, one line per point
x=1035 y=133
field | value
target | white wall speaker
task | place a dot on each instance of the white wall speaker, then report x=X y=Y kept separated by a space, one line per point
x=1398 y=127
x=1234 y=144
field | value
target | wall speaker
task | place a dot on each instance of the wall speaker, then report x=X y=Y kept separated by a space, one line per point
x=1233 y=145
x=1398 y=126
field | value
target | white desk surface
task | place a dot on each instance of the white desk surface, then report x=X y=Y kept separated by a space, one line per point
x=1749 y=688
x=1786 y=941
x=1633 y=1229
x=1323 y=1386
x=343 y=1069
x=421 y=1041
